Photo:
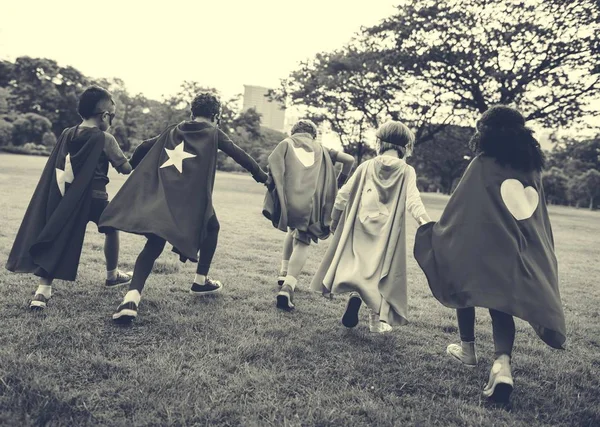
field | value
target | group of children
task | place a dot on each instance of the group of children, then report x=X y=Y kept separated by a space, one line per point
x=492 y=247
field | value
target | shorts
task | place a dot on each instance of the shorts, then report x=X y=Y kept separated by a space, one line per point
x=303 y=236
x=98 y=206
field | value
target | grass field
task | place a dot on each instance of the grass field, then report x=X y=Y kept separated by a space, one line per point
x=234 y=359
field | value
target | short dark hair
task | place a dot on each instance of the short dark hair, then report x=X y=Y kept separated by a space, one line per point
x=206 y=104
x=305 y=126
x=502 y=135
x=90 y=100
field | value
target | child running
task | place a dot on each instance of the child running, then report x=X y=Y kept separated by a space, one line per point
x=493 y=247
x=367 y=256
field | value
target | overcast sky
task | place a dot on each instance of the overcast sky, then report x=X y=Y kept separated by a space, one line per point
x=155 y=45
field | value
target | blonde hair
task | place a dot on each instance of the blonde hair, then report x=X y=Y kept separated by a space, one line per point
x=305 y=126
x=397 y=136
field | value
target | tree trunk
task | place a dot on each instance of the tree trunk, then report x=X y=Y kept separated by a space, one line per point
x=592 y=203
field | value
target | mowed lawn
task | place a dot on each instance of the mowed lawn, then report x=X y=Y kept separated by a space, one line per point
x=234 y=359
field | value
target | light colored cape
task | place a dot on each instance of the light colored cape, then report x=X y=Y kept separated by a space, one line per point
x=368 y=250
x=305 y=187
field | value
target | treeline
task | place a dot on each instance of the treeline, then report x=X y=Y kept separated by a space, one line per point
x=38 y=99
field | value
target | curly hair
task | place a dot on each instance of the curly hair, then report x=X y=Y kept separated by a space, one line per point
x=207 y=105
x=92 y=100
x=304 y=126
x=502 y=135
x=395 y=135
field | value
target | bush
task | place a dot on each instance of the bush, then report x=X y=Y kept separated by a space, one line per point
x=29 y=148
x=29 y=127
x=6 y=130
x=48 y=139
x=556 y=185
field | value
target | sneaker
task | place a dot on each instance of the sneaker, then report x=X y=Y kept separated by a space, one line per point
x=500 y=384
x=350 y=317
x=39 y=302
x=377 y=326
x=122 y=279
x=126 y=312
x=285 y=298
x=464 y=353
x=210 y=287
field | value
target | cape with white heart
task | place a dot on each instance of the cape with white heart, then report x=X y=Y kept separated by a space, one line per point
x=493 y=247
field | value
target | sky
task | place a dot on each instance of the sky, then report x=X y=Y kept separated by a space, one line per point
x=155 y=45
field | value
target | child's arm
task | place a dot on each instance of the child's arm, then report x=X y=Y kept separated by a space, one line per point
x=414 y=205
x=141 y=151
x=347 y=162
x=341 y=200
x=115 y=155
x=242 y=158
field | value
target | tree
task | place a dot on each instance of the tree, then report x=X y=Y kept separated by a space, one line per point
x=556 y=185
x=586 y=186
x=30 y=127
x=249 y=120
x=438 y=63
x=541 y=55
x=443 y=158
x=41 y=86
x=575 y=157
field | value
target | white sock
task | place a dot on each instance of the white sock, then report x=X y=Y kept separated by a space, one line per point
x=45 y=290
x=290 y=280
x=200 y=279
x=133 y=296
x=111 y=274
x=284 y=266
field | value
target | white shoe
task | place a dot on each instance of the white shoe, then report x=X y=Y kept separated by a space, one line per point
x=464 y=353
x=500 y=384
x=377 y=326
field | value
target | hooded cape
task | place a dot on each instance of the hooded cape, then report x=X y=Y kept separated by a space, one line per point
x=304 y=187
x=493 y=247
x=368 y=250
x=50 y=238
x=169 y=194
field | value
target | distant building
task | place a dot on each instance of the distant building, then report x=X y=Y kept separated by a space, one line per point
x=272 y=113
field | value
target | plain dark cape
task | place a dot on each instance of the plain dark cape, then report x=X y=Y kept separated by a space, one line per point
x=162 y=201
x=479 y=255
x=50 y=238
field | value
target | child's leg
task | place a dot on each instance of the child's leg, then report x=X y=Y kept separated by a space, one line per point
x=297 y=261
x=202 y=284
x=144 y=263
x=500 y=384
x=465 y=352
x=503 y=326
x=466 y=323
x=111 y=253
x=301 y=245
x=207 y=249
x=127 y=311
x=288 y=247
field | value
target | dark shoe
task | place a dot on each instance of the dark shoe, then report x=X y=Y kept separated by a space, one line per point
x=39 y=302
x=350 y=317
x=126 y=312
x=122 y=279
x=285 y=298
x=210 y=287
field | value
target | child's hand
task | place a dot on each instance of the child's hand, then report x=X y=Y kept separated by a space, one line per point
x=269 y=183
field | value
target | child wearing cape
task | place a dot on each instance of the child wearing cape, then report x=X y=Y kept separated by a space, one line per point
x=168 y=198
x=367 y=256
x=300 y=199
x=493 y=247
x=71 y=192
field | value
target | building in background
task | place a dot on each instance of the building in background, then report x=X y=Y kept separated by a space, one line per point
x=272 y=113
